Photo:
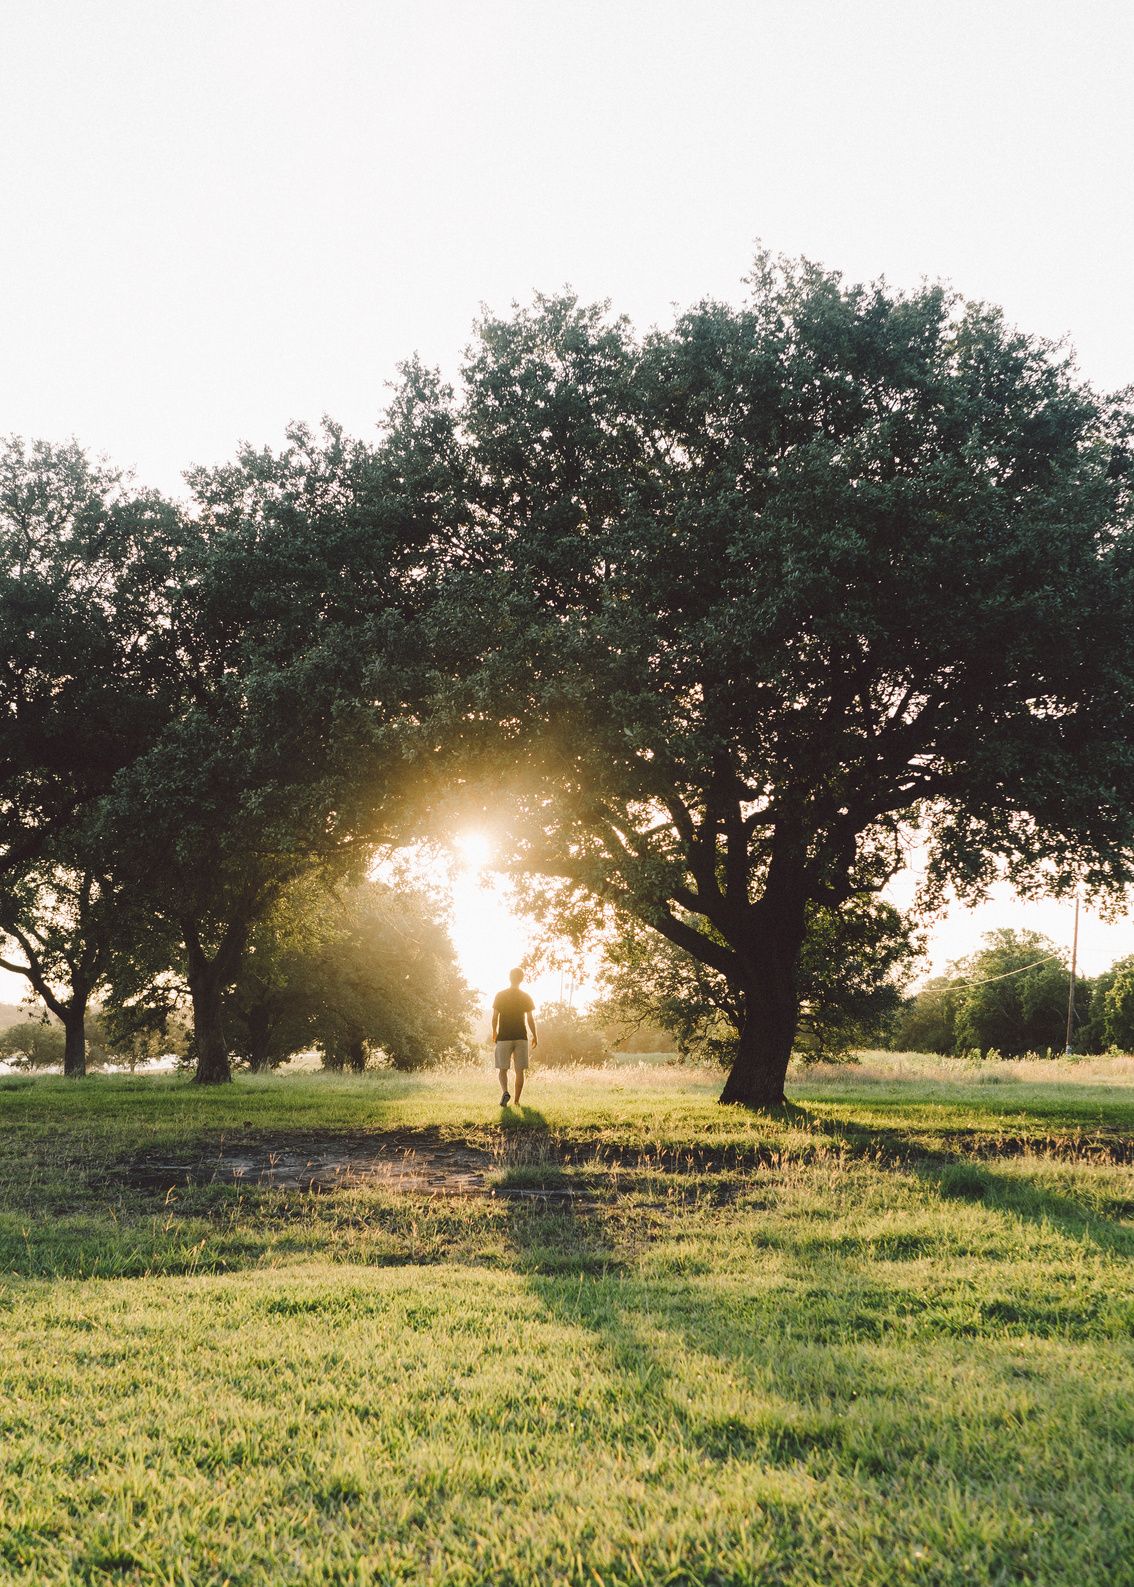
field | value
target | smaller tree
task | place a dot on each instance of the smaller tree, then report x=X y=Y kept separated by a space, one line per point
x=648 y=982
x=1015 y=996
x=854 y=965
x=76 y=934
x=392 y=984
x=272 y=1010
x=297 y=622
x=33 y=1043
x=1009 y=997
x=360 y=971
x=135 y=1036
x=647 y=1038
x=927 y=1022
x=39 y=1041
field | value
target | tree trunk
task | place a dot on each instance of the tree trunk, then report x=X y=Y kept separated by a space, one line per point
x=206 y=984
x=213 y=1067
x=771 y=1012
x=75 y=1042
x=356 y=1052
x=756 y=1079
x=207 y=980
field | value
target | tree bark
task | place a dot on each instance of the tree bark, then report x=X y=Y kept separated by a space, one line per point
x=206 y=983
x=356 y=1052
x=71 y=1015
x=771 y=1009
x=213 y=1067
x=75 y=1041
x=207 y=980
x=756 y=1079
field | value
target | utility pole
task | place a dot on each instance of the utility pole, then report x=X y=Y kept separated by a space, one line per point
x=1071 y=993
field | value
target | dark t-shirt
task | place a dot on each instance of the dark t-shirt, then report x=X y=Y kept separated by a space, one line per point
x=512 y=1005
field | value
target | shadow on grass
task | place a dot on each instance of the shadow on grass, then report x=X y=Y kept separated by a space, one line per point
x=519 y=1116
x=797 y=1331
x=820 y=1397
x=794 y=1113
x=1021 y=1197
x=937 y=1143
x=77 y=1214
x=988 y=1109
x=652 y=1334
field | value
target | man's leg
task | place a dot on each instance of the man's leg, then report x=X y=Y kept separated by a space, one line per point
x=520 y=1073
x=502 y=1074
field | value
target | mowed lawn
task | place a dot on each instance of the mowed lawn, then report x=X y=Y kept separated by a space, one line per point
x=887 y=1336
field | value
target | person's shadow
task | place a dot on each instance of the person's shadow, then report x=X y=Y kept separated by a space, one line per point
x=518 y=1116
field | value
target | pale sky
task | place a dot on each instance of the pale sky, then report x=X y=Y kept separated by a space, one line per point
x=219 y=215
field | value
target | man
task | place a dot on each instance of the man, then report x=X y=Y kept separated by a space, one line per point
x=509 y=1010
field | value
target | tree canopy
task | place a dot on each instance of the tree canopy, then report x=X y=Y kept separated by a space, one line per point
x=703 y=623
x=85 y=581
x=219 y=701
x=771 y=588
x=294 y=627
x=357 y=973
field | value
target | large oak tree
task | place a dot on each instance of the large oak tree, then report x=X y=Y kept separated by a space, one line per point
x=751 y=596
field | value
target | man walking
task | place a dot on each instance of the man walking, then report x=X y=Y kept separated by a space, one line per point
x=509 y=1010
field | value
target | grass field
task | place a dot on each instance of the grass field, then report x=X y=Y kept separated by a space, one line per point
x=884 y=1337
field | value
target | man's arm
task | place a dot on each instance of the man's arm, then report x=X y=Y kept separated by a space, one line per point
x=495 y=1023
x=531 y=1022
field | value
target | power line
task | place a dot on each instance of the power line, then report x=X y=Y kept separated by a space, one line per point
x=989 y=979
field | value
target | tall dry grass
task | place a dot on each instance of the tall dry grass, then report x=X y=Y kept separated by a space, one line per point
x=1111 y=1069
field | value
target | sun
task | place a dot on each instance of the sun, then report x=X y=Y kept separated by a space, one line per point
x=476 y=851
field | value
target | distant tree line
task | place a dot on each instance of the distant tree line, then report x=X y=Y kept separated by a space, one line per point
x=698 y=625
x=1012 y=997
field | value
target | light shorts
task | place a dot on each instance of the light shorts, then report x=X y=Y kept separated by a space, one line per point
x=512 y=1053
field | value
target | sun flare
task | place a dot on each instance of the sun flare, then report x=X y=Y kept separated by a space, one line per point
x=475 y=850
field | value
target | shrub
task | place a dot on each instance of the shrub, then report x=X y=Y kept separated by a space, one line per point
x=567 y=1037
x=32 y=1044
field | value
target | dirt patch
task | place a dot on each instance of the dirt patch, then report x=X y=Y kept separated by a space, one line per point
x=420 y=1163
x=428 y=1163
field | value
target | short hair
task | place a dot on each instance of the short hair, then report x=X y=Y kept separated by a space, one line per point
x=515 y=976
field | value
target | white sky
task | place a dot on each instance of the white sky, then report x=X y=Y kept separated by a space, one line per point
x=221 y=214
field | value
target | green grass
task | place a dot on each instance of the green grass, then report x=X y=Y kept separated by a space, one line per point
x=885 y=1337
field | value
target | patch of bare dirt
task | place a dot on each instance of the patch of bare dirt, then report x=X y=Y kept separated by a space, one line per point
x=428 y=1163
x=422 y=1163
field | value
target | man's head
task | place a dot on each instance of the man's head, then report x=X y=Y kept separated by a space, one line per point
x=515 y=976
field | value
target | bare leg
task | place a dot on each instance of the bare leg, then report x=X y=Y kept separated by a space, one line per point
x=520 y=1073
